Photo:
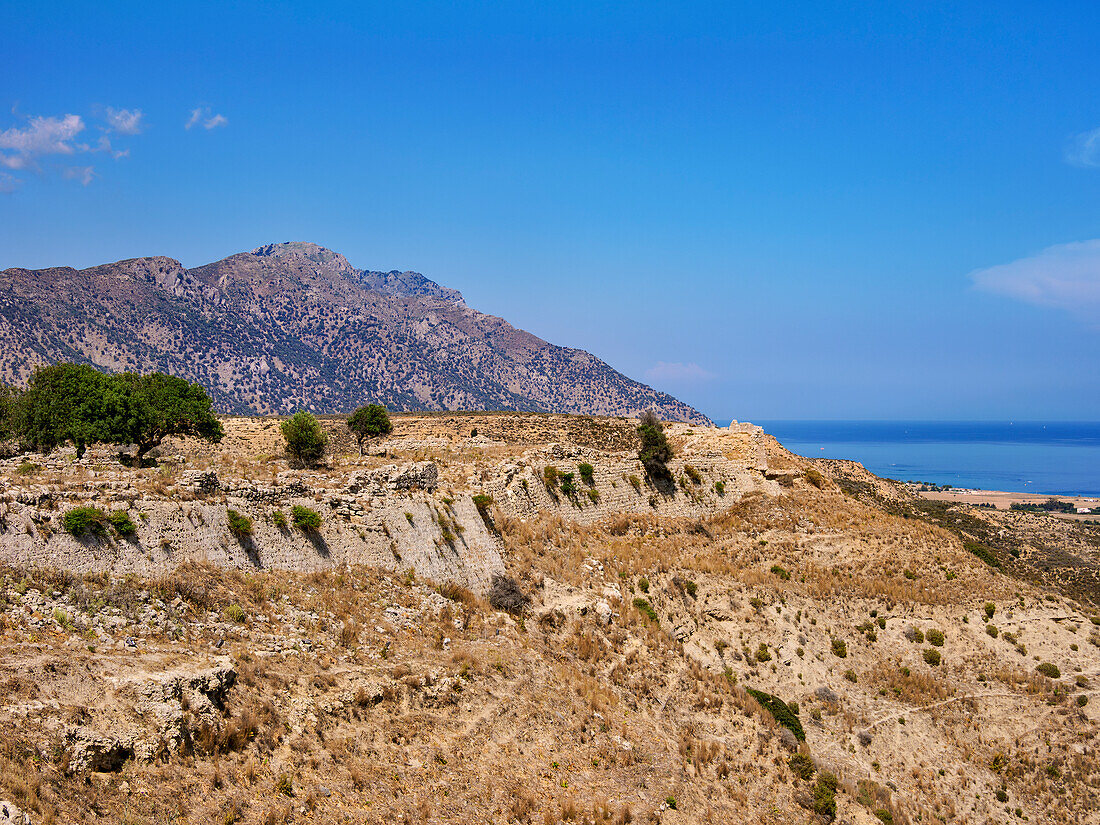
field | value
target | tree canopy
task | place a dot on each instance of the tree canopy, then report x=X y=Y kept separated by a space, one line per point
x=305 y=440
x=370 y=421
x=654 y=451
x=74 y=402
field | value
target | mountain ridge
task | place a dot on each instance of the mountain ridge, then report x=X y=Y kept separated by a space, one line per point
x=295 y=325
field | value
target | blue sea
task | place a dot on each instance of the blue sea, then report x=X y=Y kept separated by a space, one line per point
x=1060 y=457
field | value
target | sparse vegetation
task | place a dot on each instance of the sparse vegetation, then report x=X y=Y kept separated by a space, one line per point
x=305 y=518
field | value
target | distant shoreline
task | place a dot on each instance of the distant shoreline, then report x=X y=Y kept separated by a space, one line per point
x=1003 y=500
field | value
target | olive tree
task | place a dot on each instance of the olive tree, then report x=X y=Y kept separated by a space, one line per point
x=370 y=421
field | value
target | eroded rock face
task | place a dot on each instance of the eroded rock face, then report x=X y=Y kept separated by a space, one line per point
x=89 y=750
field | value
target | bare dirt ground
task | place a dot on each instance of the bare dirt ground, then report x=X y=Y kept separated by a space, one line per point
x=815 y=648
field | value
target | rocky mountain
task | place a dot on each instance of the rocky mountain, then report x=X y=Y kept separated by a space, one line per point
x=295 y=325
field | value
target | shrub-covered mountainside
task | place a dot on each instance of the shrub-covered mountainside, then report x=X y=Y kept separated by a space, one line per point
x=295 y=325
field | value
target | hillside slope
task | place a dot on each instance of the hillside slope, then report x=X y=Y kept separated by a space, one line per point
x=295 y=325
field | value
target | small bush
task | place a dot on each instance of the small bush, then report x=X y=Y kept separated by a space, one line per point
x=587 y=472
x=505 y=594
x=1049 y=670
x=935 y=637
x=762 y=654
x=780 y=711
x=636 y=483
x=825 y=795
x=83 y=520
x=931 y=656
x=482 y=502
x=646 y=609
x=692 y=588
x=990 y=609
x=567 y=484
x=992 y=630
x=593 y=495
x=236 y=613
x=643 y=584
x=814 y=477
x=305 y=440
x=278 y=518
x=120 y=520
x=982 y=552
x=720 y=487
x=693 y=474
x=240 y=526
x=850 y=675
x=284 y=786
x=784 y=574
x=304 y=518
x=915 y=635
x=550 y=476
x=802 y=766
x=840 y=648
x=671 y=802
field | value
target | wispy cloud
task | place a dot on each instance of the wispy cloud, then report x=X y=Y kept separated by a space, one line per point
x=20 y=147
x=203 y=116
x=125 y=121
x=1065 y=277
x=27 y=146
x=1084 y=149
x=84 y=174
x=675 y=371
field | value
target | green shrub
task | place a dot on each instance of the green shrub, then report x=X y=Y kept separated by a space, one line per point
x=636 y=483
x=236 y=613
x=982 y=552
x=850 y=675
x=784 y=574
x=802 y=766
x=646 y=609
x=691 y=587
x=550 y=476
x=780 y=711
x=278 y=518
x=83 y=520
x=935 y=637
x=587 y=472
x=931 y=656
x=825 y=795
x=992 y=630
x=720 y=487
x=593 y=495
x=654 y=451
x=1049 y=670
x=482 y=502
x=990 y=609
x=120 y=520
x=305 y=440
x=885 y=816
x=643 y=584
x=762 y=654
x=567 y=484
x=671 y=802
x=27 y=468
x=839 y=648
x=304 y=518
x=693 y=474
x=239 y=525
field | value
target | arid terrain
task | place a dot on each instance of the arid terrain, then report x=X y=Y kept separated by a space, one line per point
x=471 y=637
x=293 y=325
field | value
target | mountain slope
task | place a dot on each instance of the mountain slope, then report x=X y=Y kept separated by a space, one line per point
x=295 y=325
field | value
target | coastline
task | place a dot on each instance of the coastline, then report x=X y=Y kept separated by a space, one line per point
x=1003 y=500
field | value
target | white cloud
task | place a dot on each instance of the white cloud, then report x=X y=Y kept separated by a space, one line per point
x=206 y=118
x=42 y=136
x=84 y=174
x=675 y=371
x=124 y=121
x=1066 y=277
x=1084 y=149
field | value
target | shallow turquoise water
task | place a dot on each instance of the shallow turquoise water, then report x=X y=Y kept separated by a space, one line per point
x=1060 y=457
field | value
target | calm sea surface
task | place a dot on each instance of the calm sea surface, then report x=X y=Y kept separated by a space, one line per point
x=1025 y=456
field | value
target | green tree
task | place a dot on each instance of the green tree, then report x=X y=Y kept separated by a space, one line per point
x=160 y=405
x=654 y=451
x=70 y=402
x=370 y=421
x=9 y=404
x=305 y=440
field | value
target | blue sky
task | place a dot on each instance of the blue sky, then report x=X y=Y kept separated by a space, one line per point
x=850 y=210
